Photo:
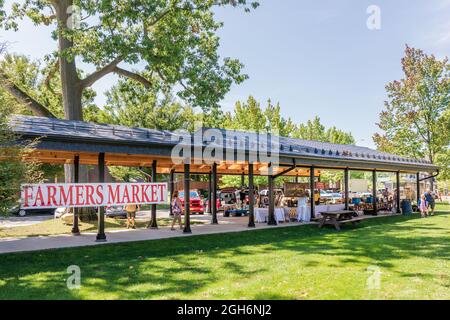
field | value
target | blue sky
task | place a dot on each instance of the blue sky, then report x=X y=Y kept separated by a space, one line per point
x=313 y=57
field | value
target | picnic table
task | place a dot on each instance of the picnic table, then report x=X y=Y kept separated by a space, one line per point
x=338 y=217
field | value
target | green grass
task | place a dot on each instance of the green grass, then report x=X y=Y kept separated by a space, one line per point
x=442 y=206
x=301 y=262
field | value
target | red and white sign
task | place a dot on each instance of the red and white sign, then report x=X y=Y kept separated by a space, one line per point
x=91 y=194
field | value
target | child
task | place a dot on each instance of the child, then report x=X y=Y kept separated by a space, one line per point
x=423 y=207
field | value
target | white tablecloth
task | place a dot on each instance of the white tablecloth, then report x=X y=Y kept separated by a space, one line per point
x=261 y=214
x=279 y=214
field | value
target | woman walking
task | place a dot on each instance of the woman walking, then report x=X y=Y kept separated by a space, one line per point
x=176 y=210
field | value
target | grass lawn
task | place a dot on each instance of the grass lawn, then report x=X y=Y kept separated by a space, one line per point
x=56 y=226
x=412 y=254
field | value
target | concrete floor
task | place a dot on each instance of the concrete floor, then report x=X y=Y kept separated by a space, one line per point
x=230 y=224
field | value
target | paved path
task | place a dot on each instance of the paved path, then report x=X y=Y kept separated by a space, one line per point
x=232 y=224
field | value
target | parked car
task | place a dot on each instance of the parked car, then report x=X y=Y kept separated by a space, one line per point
x=217 y=202
x=265 y=192
x=26 y=212
x=59 y=212
x=195 y=203
x=115 y=212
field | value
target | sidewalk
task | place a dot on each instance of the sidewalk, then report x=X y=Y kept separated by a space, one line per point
x=9 y=245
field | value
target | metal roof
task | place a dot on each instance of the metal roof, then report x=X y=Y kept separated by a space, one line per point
x=70 y=130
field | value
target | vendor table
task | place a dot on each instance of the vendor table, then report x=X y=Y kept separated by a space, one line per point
x=279 y=215
x=336 y=218
x=262 y=214
x=302 y=213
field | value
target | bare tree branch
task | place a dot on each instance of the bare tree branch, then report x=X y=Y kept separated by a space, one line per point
x=147 y=84
x=37 y=108
x=100 y=73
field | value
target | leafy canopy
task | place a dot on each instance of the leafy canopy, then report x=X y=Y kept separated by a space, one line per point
x=416 y=119
x=174 y=40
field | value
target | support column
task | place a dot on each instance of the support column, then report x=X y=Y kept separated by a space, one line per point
x=101 y=236
x=374 y=191
x=312 y=187
x=418 y=188
x=346 y=176
x=272 y=221
x=153 y=223
x=251 y=197
x=213 y=204
x=76 y=177
x=187 y=187
x=242 y=180
x=296 y=179
x=171 y=188
x=397 y=200
x=209 y=193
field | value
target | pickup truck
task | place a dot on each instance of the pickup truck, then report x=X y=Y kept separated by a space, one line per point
x=195 y=203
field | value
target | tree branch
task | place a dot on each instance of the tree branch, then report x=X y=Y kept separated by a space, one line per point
x=100 y=73
x=37 y=108
x=147 y=84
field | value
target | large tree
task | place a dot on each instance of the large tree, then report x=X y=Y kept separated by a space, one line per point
x=173 y=40
x=416 y=121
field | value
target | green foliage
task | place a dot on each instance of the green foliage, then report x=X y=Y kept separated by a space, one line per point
x=416 y=119
x=315 y=130
x=131 y=104
x=41 y=81
x=250 y=116
x=126 y=174
x=13 y=171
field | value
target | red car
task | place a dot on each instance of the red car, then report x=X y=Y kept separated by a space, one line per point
x=195 y=205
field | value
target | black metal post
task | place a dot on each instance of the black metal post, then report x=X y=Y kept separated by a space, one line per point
x=101 y=236
x=374 y=191
x=213 y=203
x=418 y=188
x=171 y=189
x=153 y=222
x=397 y=200
x=76 y=177
x=346 y=171
x=251 y=197
x=296 y=179
x=209 y=193
x=187 y=209
x=242 y=180
x=272 y=221
x=312 y=187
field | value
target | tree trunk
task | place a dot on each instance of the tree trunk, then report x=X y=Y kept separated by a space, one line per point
x=71 y=89
x=71 y=84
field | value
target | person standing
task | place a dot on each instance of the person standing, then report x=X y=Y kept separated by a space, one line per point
x=176 y=210
x=423 y=206
x=131 y=209
x=430 y=202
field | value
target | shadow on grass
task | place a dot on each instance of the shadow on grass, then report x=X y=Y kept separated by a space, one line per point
x=172 y=268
